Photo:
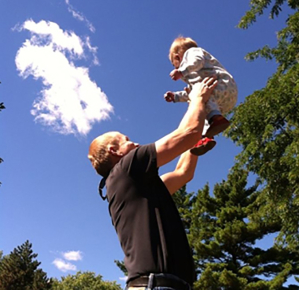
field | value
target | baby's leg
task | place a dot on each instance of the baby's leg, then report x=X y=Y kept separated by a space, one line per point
x=212 y=108
x=217 y=122
x=221 y=102
x=225 y=95
x=205 y=128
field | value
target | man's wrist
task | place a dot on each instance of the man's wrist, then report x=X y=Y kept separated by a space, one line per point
x=198 y=99
x=197 y=104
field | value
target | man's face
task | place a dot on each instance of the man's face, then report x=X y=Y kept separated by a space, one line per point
x=125 y=145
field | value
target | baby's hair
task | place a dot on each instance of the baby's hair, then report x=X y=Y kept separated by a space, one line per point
x=181 y=44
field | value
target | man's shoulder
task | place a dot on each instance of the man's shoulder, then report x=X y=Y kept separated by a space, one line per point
x=138 y=161
x=142 y=150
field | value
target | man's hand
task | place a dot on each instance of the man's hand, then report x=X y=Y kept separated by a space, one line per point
x=169 y=96
x=176 y=74
x=203 y=89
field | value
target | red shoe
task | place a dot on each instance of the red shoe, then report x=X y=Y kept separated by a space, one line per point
x=217 y=126
x=203 y=146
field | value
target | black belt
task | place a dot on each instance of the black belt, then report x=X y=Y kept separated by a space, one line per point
x=160 y=282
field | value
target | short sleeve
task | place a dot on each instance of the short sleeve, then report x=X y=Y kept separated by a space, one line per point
x=141 y=162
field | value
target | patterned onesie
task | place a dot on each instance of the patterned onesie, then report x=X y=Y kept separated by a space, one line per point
x=198 y=64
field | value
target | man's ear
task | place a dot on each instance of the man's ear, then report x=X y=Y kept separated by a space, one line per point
x=113 y=151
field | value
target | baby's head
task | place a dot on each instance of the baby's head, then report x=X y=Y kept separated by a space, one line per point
x=178 y=48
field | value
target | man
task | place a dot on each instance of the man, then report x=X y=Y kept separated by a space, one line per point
x=148 y=225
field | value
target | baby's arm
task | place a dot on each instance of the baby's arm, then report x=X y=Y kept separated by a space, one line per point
x=180 y=96
x=193 y=60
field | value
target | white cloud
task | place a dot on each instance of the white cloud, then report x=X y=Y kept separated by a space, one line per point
x=78 y=15
x=93 y=50
x=50 y=33
x=70 y=102
x=64 y=266
x=72 y=255
x=123 y=278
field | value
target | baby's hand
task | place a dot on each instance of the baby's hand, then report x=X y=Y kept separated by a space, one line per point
x=169 y=97
x=175 y=74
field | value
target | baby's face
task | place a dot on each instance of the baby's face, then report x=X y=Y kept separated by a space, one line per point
x=176 y=60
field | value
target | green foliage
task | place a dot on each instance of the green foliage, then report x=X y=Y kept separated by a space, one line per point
x=19 y=270
x=266 y=124
x=257 y=8
x=223 y=229
x=84 y=281
x=184 y=202
x=121 y=266
x=286 y=53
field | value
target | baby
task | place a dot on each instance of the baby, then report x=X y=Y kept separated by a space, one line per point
x=192 y=64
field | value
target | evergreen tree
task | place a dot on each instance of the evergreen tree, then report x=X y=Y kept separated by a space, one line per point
x=184 y=202
x=84 y=281
x=266 y=124
x=222 y=231
x=19 y=270
x=121 y=266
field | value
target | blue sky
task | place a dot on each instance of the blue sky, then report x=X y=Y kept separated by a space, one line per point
x=71 y=70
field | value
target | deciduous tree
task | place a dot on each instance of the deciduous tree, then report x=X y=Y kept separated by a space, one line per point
x=266 y=124
x=84 y=281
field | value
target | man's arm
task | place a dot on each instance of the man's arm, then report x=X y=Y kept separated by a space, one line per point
x=182 y=174
x=190 y=129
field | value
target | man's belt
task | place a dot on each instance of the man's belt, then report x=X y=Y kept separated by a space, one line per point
x=159 y=282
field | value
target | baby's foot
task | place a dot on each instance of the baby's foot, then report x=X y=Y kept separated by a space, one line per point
x=203 y=146
x=218 y=125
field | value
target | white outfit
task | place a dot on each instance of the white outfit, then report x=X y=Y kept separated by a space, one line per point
x=198 y=64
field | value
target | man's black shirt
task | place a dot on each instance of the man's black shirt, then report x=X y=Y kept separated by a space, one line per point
x=146 y=219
